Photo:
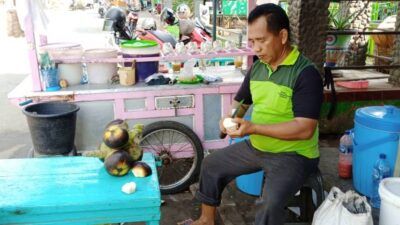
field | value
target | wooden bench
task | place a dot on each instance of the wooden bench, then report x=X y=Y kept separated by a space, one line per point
x=74 y=190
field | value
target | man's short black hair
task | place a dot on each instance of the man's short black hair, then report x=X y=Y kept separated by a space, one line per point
x=275 y=16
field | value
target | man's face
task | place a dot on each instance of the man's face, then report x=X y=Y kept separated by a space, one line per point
x=267 y=46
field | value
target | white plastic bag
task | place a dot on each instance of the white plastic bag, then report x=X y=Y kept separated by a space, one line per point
x=343 y=209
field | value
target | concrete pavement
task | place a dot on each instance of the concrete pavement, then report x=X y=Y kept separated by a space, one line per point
x=14 y=134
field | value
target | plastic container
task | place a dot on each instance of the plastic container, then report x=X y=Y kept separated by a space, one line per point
x=251 y=183
x=127 y=75
x=101 y=73
x=345 y=165
x=376 y=131
x=381 y=171
x=389 y=191
x=50 y=79
x=52 y=127
x=345 y=155
x=138 y=49
x=71 y=72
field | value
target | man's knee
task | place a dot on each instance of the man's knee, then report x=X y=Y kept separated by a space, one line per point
x=210 y=164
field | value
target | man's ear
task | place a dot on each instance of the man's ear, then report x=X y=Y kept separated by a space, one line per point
x=284 y=36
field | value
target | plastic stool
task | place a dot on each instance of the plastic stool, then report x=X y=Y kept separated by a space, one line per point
x=305 y=199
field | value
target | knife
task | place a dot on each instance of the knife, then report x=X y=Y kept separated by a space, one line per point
x=223 y=135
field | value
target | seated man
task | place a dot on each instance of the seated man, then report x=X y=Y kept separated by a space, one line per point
x=286 y=92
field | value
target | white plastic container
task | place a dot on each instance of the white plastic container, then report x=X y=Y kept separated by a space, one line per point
x=101 y=73
x=389 y=191
x=72 y=72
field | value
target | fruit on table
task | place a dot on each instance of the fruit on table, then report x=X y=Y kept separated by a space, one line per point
x=118 y=163
x=129 y=188
x=141 y=169
x=115 y=137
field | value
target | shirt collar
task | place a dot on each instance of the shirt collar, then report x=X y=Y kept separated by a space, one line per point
x=289 y=60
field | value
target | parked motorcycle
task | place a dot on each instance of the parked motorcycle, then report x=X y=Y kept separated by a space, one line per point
x=189 y=30
x=126 y=27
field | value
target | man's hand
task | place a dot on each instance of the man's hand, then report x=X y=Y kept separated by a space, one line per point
x=245 y=127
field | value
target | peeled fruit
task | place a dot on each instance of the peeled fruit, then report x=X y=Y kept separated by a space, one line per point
x=129 y=188
x=115 y=137
x=121 y=123
x=229 y=124
x=141 y=169
x=118 y=163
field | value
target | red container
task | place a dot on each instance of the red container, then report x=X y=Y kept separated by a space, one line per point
x=345 y=165
x=353 y=84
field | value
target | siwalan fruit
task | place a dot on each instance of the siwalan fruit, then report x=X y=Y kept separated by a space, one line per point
x=118 y=163
x=115 y=137
x=141 y=169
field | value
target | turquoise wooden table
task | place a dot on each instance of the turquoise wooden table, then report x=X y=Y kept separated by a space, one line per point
x=74 y=190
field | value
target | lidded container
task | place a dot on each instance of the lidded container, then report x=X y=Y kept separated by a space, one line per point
x=376 y=131
x=139 y=49
x=101 y=73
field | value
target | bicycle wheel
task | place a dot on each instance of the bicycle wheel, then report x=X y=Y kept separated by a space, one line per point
x=178 y=152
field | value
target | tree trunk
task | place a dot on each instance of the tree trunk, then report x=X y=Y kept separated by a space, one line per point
x=395 y=74
x=308 y=24
x=358 y=43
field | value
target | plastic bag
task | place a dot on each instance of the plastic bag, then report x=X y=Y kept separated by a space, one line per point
x=343 y=209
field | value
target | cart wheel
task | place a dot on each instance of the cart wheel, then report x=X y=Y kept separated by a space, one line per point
x=178 y=152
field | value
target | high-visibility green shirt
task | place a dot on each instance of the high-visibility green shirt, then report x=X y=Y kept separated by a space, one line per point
x=294 y=89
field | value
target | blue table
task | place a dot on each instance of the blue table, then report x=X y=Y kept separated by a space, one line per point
x=74 y=190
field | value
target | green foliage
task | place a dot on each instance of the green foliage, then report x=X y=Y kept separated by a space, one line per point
x=340 y=20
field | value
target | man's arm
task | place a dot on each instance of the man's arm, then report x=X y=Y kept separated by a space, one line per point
x=307 y=101
x=242 y=95
x=299 y=128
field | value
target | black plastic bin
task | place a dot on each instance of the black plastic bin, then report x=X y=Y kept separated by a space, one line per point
x=52 y=127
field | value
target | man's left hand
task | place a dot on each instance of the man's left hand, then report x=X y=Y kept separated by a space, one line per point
x=245 y=127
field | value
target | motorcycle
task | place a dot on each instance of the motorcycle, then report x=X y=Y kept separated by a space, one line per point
x=200 y=34
x=125 y=27
x=189 y=30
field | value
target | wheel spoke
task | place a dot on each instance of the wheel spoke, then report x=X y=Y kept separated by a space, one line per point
x=171 y=140
x=179 y=150
x=158 y=138
x=154 y=148
x=176 y=147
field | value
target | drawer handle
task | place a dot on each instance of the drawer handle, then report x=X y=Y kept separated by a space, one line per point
x=175 y=103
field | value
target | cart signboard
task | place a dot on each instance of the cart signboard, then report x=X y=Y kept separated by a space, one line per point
x=234 y=7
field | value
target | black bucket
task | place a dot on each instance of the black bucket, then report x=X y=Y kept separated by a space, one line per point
x=52 y=127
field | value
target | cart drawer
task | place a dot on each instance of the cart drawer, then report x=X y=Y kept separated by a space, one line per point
x=171 y=102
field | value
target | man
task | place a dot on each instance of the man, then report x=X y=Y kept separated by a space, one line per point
x=286 y=92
